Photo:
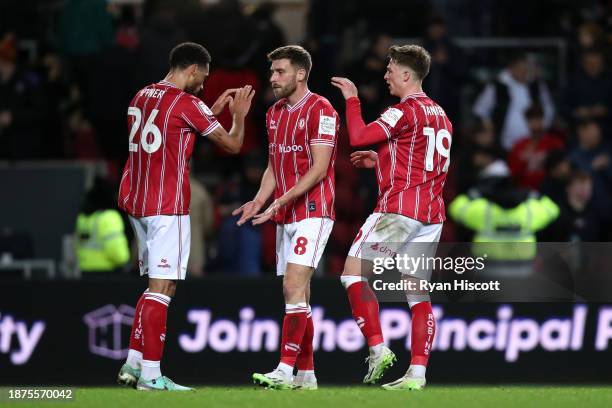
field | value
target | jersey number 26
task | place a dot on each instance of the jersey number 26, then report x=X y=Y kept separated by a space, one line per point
x=150 y=136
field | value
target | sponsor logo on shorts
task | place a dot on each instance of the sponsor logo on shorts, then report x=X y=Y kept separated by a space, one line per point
x=164 y=264
x=383 y=249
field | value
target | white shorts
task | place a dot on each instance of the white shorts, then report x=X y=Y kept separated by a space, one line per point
x=163 y=245
x=301 y=242
x=388 y=234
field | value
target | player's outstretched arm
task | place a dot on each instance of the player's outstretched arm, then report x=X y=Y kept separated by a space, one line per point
x=239 y=106
x=360 y=134
x=321 y=156
x=248 y=210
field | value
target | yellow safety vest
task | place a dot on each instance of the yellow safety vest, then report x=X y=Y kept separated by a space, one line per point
x=506 y=234
x=101 y=241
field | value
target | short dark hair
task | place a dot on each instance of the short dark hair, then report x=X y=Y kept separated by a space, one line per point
x=189 y=53
x=412 y=56
x=297 y=55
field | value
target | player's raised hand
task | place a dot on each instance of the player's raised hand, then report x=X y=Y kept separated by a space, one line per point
x=345 y=85
x=248 y=210
x=268 y=214
x=241 y=102
x=365 y=159
x=222 y=100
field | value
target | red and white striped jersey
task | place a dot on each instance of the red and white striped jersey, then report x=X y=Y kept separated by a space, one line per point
x=291 y=132
x=163 y=122
x=413 y=162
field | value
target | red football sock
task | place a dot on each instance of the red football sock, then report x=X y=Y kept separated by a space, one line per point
x=364 y=306
x=154 y=314
x=305 y=359
x=294 y=327
x=136 y=335
x=423 y=332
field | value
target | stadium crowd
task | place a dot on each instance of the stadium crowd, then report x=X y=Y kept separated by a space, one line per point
x=66 y=97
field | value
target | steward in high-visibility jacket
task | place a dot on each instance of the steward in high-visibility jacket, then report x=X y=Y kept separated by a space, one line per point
x=503 y=218
x=101 y=243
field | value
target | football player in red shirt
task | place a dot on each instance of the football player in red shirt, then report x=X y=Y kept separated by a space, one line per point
x=413 y=140
x=302 y=130
x=163 y=121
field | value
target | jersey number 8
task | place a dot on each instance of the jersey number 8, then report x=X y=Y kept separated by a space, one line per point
x=149 y=130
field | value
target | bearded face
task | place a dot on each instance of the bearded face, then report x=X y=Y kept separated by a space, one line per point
x=283 y=78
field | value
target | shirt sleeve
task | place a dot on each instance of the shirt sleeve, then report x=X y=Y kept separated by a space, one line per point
x=323 y=126
x=199 y=117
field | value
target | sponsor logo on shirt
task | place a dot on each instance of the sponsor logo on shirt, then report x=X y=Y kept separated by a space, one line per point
x=282 y=148
x=391 y=116
x=205 y=108
x=327 y=125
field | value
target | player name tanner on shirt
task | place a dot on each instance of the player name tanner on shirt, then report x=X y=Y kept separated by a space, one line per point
x=433 y=110
x=152 y=93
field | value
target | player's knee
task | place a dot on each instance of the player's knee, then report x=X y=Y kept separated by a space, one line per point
x=164 y=286
x=352 y=267
x=292 y=290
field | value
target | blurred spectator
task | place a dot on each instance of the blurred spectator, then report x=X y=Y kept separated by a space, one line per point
x=592 y=155
x=86 y=29
x=80 y=140
x=368 y=74
x=480 y=150
x=589 y=93
x=268 y=36
x=240 y=248
x=161 y=32
x=101 y=243
x=528 y=155
x=448 y=68
x=582 y=218
x=201 y=214
x=58 y=98
x=588 y=36
x=504 y=102
x=21 y=107
x=557 y=168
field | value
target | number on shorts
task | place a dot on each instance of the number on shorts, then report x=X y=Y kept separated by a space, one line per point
x=300 y=246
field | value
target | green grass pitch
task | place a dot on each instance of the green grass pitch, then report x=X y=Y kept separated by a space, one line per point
x=338 y=397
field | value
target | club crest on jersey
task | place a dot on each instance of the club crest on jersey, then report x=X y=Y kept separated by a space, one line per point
x=301 y=124
x=272 y=124
x=312 y=206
